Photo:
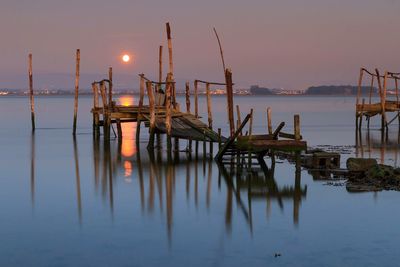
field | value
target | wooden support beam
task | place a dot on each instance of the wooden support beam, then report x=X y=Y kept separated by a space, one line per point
x=209 y=108
x=277 y=131
x=96 y=119
x=168 y=112
x=251 y=123
x=359 y=85
x=141 y=92
x=231 y=139
x=31 y=98
x=229 y=95
x=77 y=73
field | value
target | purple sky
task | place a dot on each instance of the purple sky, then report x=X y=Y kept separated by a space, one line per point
x=278 y=43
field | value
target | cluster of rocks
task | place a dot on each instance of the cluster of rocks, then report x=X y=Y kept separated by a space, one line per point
x=368 y=175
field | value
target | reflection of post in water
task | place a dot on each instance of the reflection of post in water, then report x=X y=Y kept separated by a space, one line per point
x=33 y=141
x=140 y=174
x=209 y=181
x=107 y=169
x=169 y=196
x=96 y=161
x=78 y=180
x=297 y=190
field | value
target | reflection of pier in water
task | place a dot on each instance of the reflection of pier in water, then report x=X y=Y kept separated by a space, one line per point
x=159 y=176
x=379 y=145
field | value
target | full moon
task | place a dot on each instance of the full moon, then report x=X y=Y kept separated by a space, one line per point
x=126 y=58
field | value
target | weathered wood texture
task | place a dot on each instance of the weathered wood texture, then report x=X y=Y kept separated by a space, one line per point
x=31 y=98
x=77 y=74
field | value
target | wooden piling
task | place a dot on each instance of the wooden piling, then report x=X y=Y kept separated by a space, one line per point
x=152 y=115
x=239 y=120
x=196 y=100
x=187 y=95
x=269 y=120
x=229 y=95
x=382 y=97
x=30 y=73
x=251 y=123
x=96 y=119
x=77 y=73
x=209 y=111
x=168 y=111
x=160 y=52
x=110 y=89
x=297 y=127
x=359 y=85
x=171 y=64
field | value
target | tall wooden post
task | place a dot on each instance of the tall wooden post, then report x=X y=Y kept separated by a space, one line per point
x=251 y=123
x=382 y=95
x=229 y=96
x=138 y=119
x=152 y=114
x=196 y=99
x=31 y=92
x=168 y=111
x=269 y=120
x=96 y=129
x=77 y=73
x=297 y=127
x=209 y=108
x=359 y=86
x=160 y=52
x=110 y=90
x=187 y=95
x=171 y=64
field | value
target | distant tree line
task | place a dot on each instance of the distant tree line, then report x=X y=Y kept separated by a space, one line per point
x=339 y=90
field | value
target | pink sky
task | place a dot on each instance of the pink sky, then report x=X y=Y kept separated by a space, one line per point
x=288 y=43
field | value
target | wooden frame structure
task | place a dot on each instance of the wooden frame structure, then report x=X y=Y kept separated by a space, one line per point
x=384 y=105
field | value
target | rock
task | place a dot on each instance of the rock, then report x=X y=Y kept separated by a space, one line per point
x=379 y=172
x=360 y=165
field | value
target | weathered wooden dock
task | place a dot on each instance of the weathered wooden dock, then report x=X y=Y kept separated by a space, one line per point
x=385 y=105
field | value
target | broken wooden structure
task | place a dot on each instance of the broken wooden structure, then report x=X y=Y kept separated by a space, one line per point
x=385 y=104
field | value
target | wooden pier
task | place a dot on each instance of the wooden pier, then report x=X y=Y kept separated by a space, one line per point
x=385 y=106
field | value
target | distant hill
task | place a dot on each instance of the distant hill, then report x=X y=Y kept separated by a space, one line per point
x=338 y=90
x=256 y=90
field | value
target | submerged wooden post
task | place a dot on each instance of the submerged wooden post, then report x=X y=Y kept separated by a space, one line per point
x=77 y=73
x=187 y=95
x=209 y=110
x=196 y=100
x=229 y=96
x=152 y=115
x=297 y=135
x=269 y=120
x=30 y=73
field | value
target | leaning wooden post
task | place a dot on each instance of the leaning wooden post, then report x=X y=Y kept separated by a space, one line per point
x=269 y=120
x=31 y=92
x=110 y=89
x=168 y=112
x=384 y=98
x=78 y=59
x=359 y=85
x=196 y=99
x=229 y=95
x=152 y=115
x=297 y=135
x=209 y=108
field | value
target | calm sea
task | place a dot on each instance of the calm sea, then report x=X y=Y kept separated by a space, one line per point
x=67 y=202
